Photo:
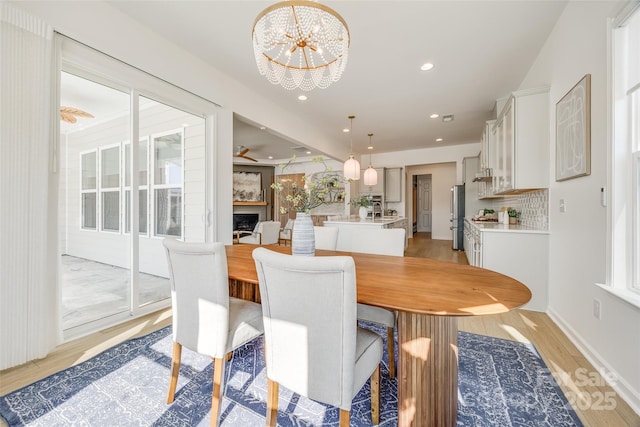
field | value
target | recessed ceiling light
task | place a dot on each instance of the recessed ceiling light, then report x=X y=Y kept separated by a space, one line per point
x=302 y=98
x=427 y=66
x=438 y=139
x=308 y=152
x=270 y=157
x=345 y=130
x=434 y=115
x=262 y=127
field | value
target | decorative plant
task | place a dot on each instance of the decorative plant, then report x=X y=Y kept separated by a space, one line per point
x=362 y=201
x=513 y=213
x=318 y=188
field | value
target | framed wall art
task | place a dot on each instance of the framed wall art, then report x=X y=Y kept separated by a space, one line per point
x=247 y=187
x=573 y=132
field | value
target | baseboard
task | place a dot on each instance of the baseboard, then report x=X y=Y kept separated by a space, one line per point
x=622 y=387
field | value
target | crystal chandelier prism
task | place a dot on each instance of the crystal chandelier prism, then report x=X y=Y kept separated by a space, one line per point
x=300 y=44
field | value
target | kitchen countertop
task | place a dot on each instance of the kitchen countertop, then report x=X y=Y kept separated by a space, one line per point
x=355 y=220
x=504 y=228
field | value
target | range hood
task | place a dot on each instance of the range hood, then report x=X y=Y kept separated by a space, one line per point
x=484 y=176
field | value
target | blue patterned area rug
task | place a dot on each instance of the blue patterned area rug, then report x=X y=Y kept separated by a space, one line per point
x=501 y=383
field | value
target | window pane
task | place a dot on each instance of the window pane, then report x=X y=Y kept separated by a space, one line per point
x=168 y=159
x=89 y=171
x=89 y=210
x=168 y=212
x=142 y=164
x=142 y=211
x=110 y=163
x=111 y=210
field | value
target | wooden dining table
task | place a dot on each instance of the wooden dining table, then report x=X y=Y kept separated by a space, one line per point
x=429 y=296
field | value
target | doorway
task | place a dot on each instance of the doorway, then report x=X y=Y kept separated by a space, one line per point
x=118 y=200
x=424 y=203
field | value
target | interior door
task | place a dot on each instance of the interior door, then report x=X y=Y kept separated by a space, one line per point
x=424 y=203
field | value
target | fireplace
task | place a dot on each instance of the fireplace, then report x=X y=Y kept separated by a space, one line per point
x=245 y=221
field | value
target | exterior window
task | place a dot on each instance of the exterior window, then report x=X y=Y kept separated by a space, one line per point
x=167 y=183
x=143 y=193
x=624 y=210
x=88 y=190
x=110 y=188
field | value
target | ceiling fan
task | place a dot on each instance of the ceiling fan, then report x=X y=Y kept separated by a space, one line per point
x=242 y=153
x=68 y=114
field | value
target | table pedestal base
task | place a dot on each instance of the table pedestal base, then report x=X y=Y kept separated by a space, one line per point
x=427 y=370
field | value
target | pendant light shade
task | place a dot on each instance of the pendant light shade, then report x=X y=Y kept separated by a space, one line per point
x=370 y=175
x=351 y=166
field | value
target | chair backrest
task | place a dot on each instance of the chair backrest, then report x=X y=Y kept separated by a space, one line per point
x=270 y=232
x=326 y=237
x=200 y=295
x=309 y=313
x=289 y=224
x=379 y=241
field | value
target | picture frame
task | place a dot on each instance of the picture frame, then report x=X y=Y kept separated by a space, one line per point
x=247 y=187
x=573 y=132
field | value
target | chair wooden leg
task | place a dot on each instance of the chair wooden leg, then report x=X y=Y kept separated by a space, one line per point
x=375 y=396
x=391 y=353
x=216 y=397
x=229 y=356
x=272 y=403
x=344 y=418
x=175 y=371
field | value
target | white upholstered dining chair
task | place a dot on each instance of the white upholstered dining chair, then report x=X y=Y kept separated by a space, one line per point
x=205 y=319
x=265 y=233
x=326 y=237
x=382 y=241
x=285 y=233
x=313 y=344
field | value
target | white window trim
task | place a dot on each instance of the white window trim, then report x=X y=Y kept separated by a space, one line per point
x=125 y=187
x=102 y=189
x=153 y=186
x=623 y=237
x=93 y=190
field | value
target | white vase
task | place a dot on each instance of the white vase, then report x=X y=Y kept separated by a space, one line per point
x=303 y=241
x=362 y=212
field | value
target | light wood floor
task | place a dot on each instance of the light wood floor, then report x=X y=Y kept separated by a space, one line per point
x=560 y=355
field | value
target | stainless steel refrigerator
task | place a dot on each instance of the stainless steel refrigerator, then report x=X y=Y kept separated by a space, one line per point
x=457 y=216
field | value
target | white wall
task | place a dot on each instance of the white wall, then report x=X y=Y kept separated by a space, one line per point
x=577 y=256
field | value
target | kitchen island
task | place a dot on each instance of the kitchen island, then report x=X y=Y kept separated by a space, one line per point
x=346 y=224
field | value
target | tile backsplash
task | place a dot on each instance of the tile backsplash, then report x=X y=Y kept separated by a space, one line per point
x=533 y=207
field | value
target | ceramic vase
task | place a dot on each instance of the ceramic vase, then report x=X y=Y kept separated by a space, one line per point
x=362 y=212
x=303 y=241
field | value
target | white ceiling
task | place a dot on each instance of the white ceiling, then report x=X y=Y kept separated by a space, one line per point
x=481 y=51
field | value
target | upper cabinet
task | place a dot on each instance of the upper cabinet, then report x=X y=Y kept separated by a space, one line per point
x=521 y=136
x=393 y=184
x=377 y=189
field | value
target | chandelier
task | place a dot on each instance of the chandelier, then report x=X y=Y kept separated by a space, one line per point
x=370 y=175
x=351 y=166
x=300 y=44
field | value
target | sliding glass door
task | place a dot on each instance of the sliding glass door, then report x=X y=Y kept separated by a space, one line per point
x=119 y=200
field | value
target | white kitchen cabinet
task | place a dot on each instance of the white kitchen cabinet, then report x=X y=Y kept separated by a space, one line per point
x=521 y=254
x=521 y=135
x=377 y=189
x=392 y=184
x=488 y=146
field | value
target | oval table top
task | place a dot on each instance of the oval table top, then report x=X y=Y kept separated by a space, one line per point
x=417 y=285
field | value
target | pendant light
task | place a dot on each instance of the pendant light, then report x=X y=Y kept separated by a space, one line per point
x=370 y=175
x=351 y=166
